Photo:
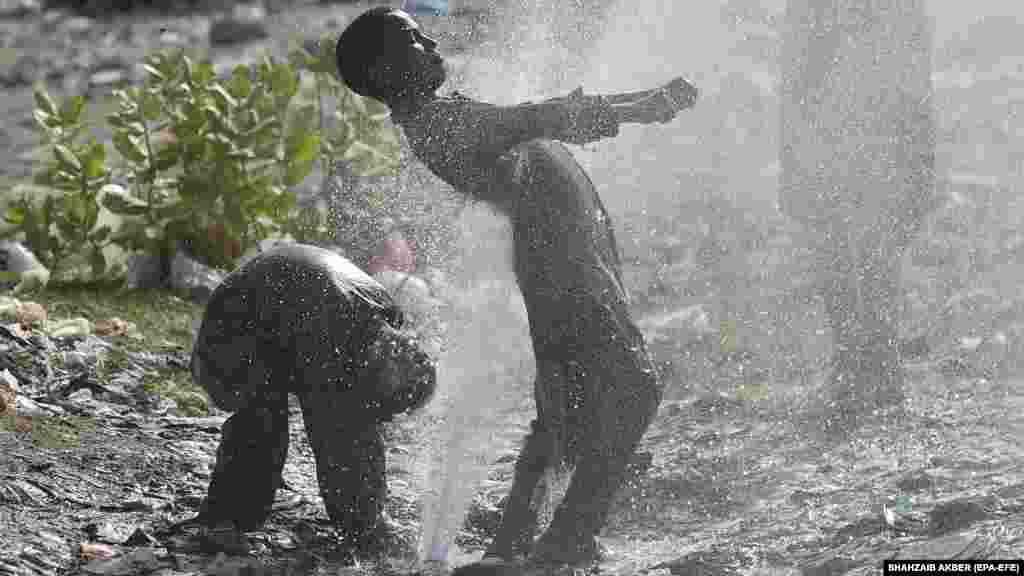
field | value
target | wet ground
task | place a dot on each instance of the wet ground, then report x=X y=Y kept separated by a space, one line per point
x=734 y=486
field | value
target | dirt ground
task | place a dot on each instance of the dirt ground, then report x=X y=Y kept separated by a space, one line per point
x=734 y=487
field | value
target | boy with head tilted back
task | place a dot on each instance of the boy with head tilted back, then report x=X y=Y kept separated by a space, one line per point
x=596 y=389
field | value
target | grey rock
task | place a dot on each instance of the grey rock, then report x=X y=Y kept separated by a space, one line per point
x=107 y=77
x=9 y=380
x=52 y=18
x=82 y=396
x=111 y=532
x=15 y=258
x=77 y=25
x=145 y=271
x=192 y=278
x=27 y=70
x=245 y=24
x=19 y=8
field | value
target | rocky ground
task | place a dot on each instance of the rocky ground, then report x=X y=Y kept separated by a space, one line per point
x=112 y=445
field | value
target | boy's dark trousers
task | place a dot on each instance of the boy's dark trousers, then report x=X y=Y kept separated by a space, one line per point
x=347 y=445
x=596 y=391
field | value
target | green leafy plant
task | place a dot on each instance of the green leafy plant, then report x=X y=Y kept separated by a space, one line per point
x=59 y=216
x=210 y=162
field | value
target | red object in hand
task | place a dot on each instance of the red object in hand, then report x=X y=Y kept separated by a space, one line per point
x=394 y=253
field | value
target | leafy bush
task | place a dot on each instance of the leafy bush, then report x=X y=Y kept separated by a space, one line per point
x=60 y=218
x=210 y=162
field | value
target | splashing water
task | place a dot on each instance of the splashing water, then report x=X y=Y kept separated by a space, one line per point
x=486 y=353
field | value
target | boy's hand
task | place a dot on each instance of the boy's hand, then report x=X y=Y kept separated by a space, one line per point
x=588 y=118
x=683 y=93
x=405 y=376
x=660 y=105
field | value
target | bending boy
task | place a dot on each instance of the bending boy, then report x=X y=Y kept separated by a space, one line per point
x=302 y=320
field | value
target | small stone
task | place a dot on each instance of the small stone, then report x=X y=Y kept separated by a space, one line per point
x=77 y=25
x=15 y=258
x=19 y=8
x=193 y=278
x=144 y=271
x=53 y=17
x=108 y=77
x=81 y=396
x=172 y=38
x=30 y=314
x=241 y=27
x=112 y=327
x=26 y=70
x=249 y=12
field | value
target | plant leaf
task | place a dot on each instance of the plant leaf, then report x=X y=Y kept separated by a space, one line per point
x=44 y=102
x=155 y=72
x=71 y=109
x=124 y=204
x=228 y=102
x=129 y=147
x=94 y=159
x=166 y=158
x=150 y=106
x=15 y=215
x=240 y=84
x=67 y=158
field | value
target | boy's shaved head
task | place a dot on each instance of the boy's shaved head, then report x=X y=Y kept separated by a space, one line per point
x=382 y=54
x=359 y=46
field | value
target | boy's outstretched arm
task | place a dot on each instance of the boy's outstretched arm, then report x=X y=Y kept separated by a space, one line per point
x=461 y=126
x=456 y=127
